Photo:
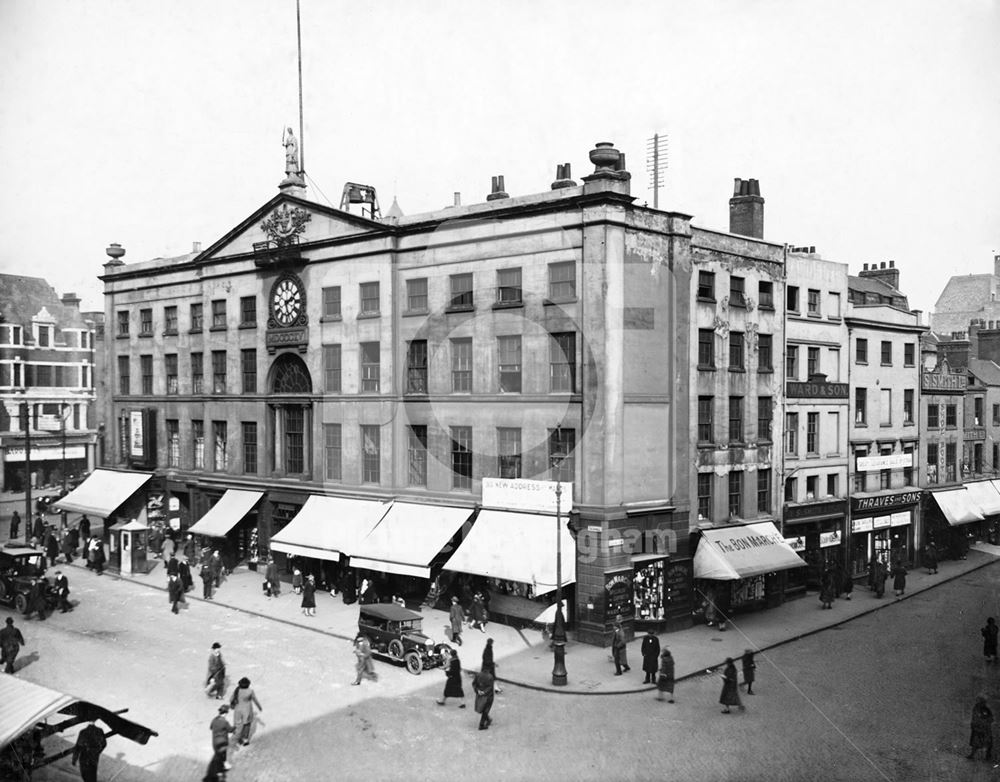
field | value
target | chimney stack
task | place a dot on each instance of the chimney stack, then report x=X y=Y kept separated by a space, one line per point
x=458 y=198
x=996 y=265
x=879 y=271
x=71 y=300
x=563 y=177
x=196 y=247
x=746 y=209
x=497 y=191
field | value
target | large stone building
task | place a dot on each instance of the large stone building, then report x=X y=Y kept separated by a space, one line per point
x=970 y=298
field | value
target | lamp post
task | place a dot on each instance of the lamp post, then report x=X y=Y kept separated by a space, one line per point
x=559 y=626
x=25 y=411
x=62 y=426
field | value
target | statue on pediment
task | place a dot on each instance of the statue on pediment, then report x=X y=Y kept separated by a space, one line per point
x=291 y=145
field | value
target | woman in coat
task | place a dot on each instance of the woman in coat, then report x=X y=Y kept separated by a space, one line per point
x=730 y=687
x=665 y=680
x=982 y=729
x=749 y=670
x=899 y=579
x=242 y=703
x=479 y=613
x=826 y=590
x=483 y=685
x=453 y=683
x=650 y=650
x=309 y=596
x=989 y=634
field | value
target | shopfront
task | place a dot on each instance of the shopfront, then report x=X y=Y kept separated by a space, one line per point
x=882 y=527
x=229 y=526
x=950 y=514
x=815 y=531
x=986 y=497
x=104 y=492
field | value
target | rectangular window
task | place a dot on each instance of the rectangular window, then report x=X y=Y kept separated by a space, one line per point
x=737 y=292
x=173 y=443
x=416 y=451
x=859 y=477
x=123 y=323
x=197 y=317
x=996 y=456
x=461 y=292
x=250 y=447
x=791 y=489
x=370 y=367
x=146 y=373
x=950 y=416
x=885 y=405
x=833 y=369
x=736 y=419
x=705 y=423
x=908 y=406
x=792 y=433
x=950 y=462
x=812 y=362
x=295 y=438
x=977 y=411
x=509 y=286
x=562 y=362
x=908 y=471
x=909 y=354
x=170 y=363
x=792 y=298
x=736 y=350
x=861 y=406
x=812 y=433
x=146 y=322
x=508 y=452
x=763 y=491
x=886 y=353
x=220 y=432
x=706 y=349
x=197 y=373
x=996 y=415
x=331 y=369
x=765 y=353
x=933 y=417
x=706 y=285
x=416 y=295
x=861 y=351
x=812 y=482
x=370 y=453
x=218 y=314
x=509 y=362
x=332 y=452
x=562 y=281
x=792 y=362
x=834 y=430
x=45 y=334
x=248 y=369
x=831 y=485
x=705 y=496
x=248 y=311
x=834 y=313
x=562 y=460
x=736 y=494
x=370 y=298
x=170 y=320
x=218 y=371
x=765 y=291
x=124 y=381
x=765 y=418
x=416 y=367
x=813 y=302
x=932 y=462
x=461 y=365
x=198 y=438
x=331 y=302
x=461 y=457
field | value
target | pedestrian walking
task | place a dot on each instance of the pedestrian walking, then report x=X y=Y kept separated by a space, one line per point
x=36 y=598
x=309 y=596
x=749 y=669
x=297 y=581
x=173 y=566
x=68 y=546
x=184 y=574
x=215 y=568
x=826 y=589
x=167 y=548
x=97 y=546
x=479 y=612
x=483 y=686
x=982 y=729
x=272 y=578
x=62 y=590
x=363 y=664
x=38 y=531
x=899 y=579
x=11 y=642
x=456 y=616
x=618 y=650
x=83 y=527
x=730 y=688
x=175 y=593
x=221 y=729
x=205 y=574
x=665 y=677
x=51 y=546
x=453 y=680
x=190 y=549
x=650 y=650
x=89 y=746
x=989 y=634
x=846 y=582
x=242 y=703
x=215 y=684
x=880 y=574
x=931 y=557
x=15 y=524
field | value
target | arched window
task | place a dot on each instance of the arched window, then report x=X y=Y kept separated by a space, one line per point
x=289 y=421
x=289 y=375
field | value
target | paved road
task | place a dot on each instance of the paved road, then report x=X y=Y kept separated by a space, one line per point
x=885 y=697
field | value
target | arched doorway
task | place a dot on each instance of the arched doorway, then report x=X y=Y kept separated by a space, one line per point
x=290 y=416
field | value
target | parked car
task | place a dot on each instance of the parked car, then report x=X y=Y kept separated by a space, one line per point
x=396 y=632
x=18 y=566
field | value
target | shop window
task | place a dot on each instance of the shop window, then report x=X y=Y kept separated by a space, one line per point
x=648 y=592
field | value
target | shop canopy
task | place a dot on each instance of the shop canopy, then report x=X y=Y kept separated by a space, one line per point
x=103 y=492
x=957 y=506
x=226 y=513
x=327 y=527
x=732 y=553
x=985 y=497
x=408 y=538
x=516 y=547
x=24 y=704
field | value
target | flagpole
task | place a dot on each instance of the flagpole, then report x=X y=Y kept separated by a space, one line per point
x=302 y=144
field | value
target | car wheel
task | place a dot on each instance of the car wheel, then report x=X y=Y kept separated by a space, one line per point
x=413 y=663
x=21 y=604
x=396 y=648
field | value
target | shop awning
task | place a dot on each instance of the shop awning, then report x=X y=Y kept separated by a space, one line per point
x=226 y=513
x=408 y=538
x=957 y=506
x=23 y=704
x=103 y=492
x=327 y=527
x=985 y=497
x=742 y=551
x=516 y=547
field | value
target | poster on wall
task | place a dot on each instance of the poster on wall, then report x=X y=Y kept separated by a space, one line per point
x=618 y=595
x=137 y=439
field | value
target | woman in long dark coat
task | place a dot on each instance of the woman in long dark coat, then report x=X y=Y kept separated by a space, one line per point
x=665 y=680
x=989 y=634
x=730 y=687
x=931 y=558
x=309 y=596
x=453 y=683
x=749 y=670
x=650 y=650
x=899 y=579
x=982 y=729
x=827 y=590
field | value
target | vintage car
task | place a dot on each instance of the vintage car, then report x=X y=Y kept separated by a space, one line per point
x=395 y=632
x=18 y=566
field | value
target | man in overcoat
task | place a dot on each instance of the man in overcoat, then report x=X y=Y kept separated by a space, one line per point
x=650 y=656
x=11 y=642
x=457 y=616
x=89 y=746
x=62 y=589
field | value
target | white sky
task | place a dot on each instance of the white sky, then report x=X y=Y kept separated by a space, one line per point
x=872 y=126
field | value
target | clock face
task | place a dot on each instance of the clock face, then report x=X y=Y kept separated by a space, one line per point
x=286 y=301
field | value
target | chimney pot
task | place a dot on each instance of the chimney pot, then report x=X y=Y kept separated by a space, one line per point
x=882 y=265
x=892 y=264
x=498 y=191
x=196 y=247
x=458 y=198
x=737 y=184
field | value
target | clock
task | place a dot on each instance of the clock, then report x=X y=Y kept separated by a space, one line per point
x=287 y=298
